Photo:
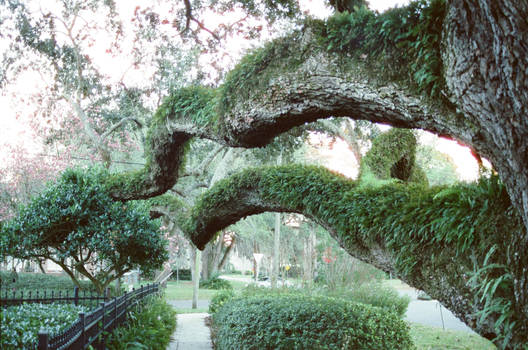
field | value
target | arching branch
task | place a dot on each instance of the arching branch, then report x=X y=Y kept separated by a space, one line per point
x=379 y=226
x=120 y=123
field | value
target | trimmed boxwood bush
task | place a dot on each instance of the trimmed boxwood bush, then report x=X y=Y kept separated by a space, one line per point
x=19 y=325
x=307 y=322
x=374 y=294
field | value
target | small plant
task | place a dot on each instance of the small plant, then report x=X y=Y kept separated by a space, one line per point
x=20 y=324
x=150 y=327
x=215 y=283
x=220 y=299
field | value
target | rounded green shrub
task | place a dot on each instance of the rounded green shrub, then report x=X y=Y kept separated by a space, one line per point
x=215 y=283
x=307 y=322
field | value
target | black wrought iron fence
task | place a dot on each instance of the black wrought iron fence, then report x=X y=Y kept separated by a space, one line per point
x=75 y=296
x=91 y=328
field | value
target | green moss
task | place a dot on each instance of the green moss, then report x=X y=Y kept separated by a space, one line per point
x=251 y=76
x=405 y=42
x=195 y=103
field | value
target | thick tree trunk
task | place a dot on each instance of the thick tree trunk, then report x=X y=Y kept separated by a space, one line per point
x=486 y=60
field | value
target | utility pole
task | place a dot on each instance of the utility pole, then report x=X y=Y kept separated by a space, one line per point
x=196 y=277
x=276 y=242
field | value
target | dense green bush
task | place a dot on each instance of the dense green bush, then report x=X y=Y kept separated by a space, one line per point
x=77 y=214
x=28 y=281
x=150 y=327
x=20 y=325
x=215 y=283
x=220 y=299
x=306 y=322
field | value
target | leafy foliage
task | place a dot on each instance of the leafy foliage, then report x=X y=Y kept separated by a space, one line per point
x=76 y=218
x=220 y=299
x=306 y=322
x=150 y=326
x=376 y=294
x=20 y=324
x=37 y=281
x=407 y=39
x=392 y=156
x=194 y=102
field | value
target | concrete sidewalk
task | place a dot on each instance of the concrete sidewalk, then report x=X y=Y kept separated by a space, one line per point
x=187 y=304
x=191 y=333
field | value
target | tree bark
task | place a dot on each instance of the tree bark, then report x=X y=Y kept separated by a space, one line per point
x=486 y=60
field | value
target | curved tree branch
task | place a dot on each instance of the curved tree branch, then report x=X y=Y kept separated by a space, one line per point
x=441 y=269
x=118 y=125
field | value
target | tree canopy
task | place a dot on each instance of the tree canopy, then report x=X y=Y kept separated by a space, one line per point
x=76 y=224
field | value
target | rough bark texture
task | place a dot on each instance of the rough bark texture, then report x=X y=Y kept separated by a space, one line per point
x=486 y=60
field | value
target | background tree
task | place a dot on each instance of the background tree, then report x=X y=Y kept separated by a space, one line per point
x=76 y=224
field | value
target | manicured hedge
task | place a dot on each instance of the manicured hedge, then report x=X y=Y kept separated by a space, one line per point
x=20 y=324
x=306 y=322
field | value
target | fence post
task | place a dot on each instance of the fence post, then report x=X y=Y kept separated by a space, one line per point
x=107 y=294
x=43 y=339
x=83 y=331
x=103 y=327
x=115 y=313
x=76 y=295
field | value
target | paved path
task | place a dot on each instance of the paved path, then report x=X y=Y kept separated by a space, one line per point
x=187 y=304
x=191 y=333
x=431 y=313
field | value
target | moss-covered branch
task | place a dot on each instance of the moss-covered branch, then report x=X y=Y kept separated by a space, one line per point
x=434 y=239
x=361 y=65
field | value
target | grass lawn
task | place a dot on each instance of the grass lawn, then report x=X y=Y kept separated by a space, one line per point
x=183 y=290
x=433 y=338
